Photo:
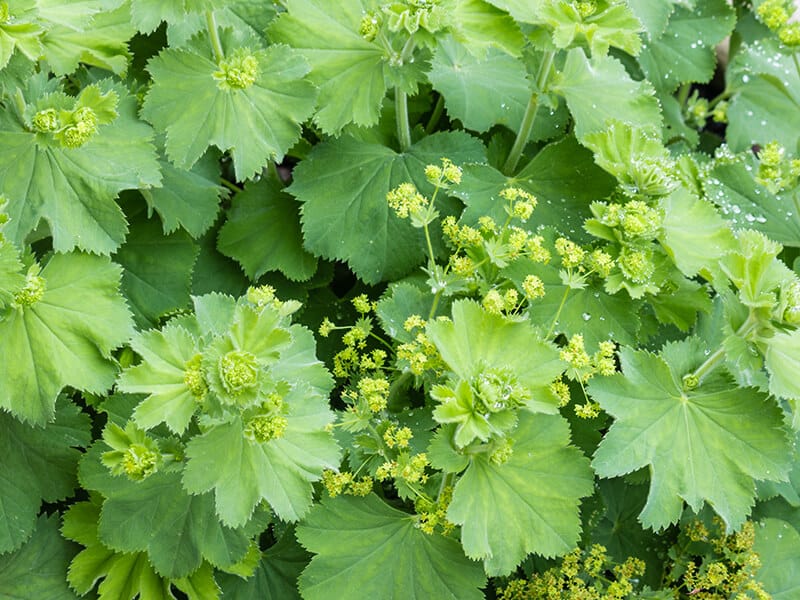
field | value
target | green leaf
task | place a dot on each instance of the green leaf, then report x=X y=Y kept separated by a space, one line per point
x=73 y=189
x=125 y=576
x=400 y=302
x=192 y=102
x=610 y=24
x=262 y=233
x=590 y=311
x=481 y=92
x=243 y=472
x=11 y=275
x=539 y=490
x=678 y=434
x=599 y=90
x=177 y=530
x=328 y=36
x=685 y=51
x=22 y=33
x=101 y=41
x=187 y=198
x=363 y=544
x=621 y=533
x=343 y=186
x=38 y=465
x=162 y=374
x=731 y=186
x=693 y=232
x=478 y=26
x=782 y=360
x=476 y=340
x=157 y=270
x=562 y=176
x=654 y=14
x=46 y=555
x=147 y=15
x=766 y=103
x=64 y=339
x=776 y=544
x=276 y=574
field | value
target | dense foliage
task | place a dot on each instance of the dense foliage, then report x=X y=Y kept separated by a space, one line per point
x=414 y=299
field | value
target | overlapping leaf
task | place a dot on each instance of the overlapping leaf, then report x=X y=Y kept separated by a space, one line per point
x=343 y=186
x=341 y=59
x=363 y=544
x=73 y=189
x=39 y=464
x=64 y=339
x=124 y=576
x=599 y=90
x=539 y=490
x=678 y=434
x=262 y=233
x=476 y=340
x=176 y=530
x=685 y=51
x=256 y=123
x=242 y=472
x=46 y=555
x=157 y=270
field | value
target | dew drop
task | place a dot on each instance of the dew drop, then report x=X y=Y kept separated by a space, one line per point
x=586 y=316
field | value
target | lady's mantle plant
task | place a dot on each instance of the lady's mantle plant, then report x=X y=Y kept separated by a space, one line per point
x=416 y=299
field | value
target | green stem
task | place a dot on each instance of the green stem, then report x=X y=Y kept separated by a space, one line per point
x=683 y=93
x=231 y=186
x=213 y=34
x=716 y=358
x=401 y=111
x=529 y=117
x=558 y=313
x=438 y=109
x=435 y=305
x=401 y=101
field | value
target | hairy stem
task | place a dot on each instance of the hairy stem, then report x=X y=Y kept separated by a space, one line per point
x=529 y=117
x=213 y=34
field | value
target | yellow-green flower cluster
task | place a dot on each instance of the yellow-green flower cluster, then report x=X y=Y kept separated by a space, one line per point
x=264 y=428
x=82 y=127
x=520 y=203
x=263 y=296
x=433 y=515
x=502 y=452
x=533 y=287
x=362 y=304
x=561 y=390
x=374 y=391
x=498 y=303
x=397 y=437
x=571 y=254
x=776 y=172
x=194 y=379
x=420 y=355
x=447 y=174
x=33 y=289
x=345 y=483
x=586 y=9
x=239 y=71
x=583 y=367
x=775 y=14
x=408 y=467
x=370 y=26
x=580 y=576
x=406 y=200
